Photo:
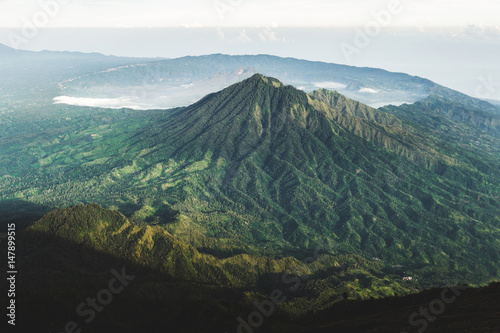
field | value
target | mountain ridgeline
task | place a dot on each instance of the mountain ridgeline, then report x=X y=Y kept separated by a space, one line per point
x=264 y=168
x=270 y=166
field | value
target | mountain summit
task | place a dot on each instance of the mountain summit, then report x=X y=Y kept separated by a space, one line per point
x=261 y=167
x=243 y=119
x=267 y=165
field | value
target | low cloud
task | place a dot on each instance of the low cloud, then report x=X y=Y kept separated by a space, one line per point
x=268 y=35
x=221 y=34
x=330 y=85
x=368 y=90
x=479 y=31
x=108 y=103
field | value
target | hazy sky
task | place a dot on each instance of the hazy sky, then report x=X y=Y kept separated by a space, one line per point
x=210 y=13
x=453 y=42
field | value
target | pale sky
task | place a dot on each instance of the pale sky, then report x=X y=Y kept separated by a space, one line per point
x=249 y=13
x=453 y=42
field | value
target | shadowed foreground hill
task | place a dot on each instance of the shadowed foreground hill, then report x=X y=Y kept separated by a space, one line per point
x=71 y=255
x=471 y=311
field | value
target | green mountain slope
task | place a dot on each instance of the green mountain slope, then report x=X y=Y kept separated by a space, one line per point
x=354 y=108
x=264 y=149
x=434 y=105
x=264 y=168
x=380 y=128
x=462 y=128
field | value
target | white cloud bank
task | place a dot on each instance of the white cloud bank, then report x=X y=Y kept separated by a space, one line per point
x=108 y=103
x=368 y=90
x=330 y=85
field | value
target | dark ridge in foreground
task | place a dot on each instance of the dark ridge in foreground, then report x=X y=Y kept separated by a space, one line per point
x=144 y=280
x=450 y=309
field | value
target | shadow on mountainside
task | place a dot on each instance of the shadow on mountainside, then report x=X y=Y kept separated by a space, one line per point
x=56 y=276
x=20 y=212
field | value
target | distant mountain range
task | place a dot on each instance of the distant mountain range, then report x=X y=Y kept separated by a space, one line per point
x=195 y=77
x=93 y=79
x=28 y=73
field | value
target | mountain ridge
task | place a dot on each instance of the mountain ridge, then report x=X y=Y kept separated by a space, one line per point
x=73 y=252
x=308 y=73
x=268 y=166
x=305 y=73
x=247 y=135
